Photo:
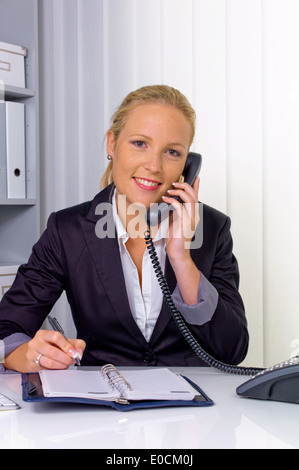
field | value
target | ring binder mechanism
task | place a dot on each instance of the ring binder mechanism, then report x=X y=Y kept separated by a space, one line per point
x=116 y=381
x=114 y=376
x=124 y=390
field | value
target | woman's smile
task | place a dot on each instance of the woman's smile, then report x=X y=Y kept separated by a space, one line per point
x=148 y=185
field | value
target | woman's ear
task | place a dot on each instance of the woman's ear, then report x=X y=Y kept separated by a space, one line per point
x=110 y=143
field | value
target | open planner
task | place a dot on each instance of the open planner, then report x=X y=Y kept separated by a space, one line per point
x=126 y=389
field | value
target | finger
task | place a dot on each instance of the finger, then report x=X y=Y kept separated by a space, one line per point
x=40 y=361
x=54 y=345
x=46 y=362
x=184 y=191
x=183 y=195
x=55 y=353
x=189 y=203
x=196 y=185
x=174 y=202
x=186 y=186
x=178 y=207
x=64 y=344
x=187 y=215
x=79 y=345
x=51 y=358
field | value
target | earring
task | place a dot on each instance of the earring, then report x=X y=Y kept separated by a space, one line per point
x=109 y=157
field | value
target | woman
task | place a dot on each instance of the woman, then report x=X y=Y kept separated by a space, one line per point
x=116 y=302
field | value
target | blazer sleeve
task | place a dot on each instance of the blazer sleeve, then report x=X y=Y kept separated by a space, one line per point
x=37 y=286
x=225 y=336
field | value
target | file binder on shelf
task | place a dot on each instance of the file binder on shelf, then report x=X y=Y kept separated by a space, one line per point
x=12 y=64
x=126 y=390
x=15 y=150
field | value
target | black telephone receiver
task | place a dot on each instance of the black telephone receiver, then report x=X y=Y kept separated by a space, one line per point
x=278 y=383
x=191 y=170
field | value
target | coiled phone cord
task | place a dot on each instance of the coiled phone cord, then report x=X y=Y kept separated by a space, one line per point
x=177 y=316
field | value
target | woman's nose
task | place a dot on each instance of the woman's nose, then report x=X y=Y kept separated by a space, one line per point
x=154 y=162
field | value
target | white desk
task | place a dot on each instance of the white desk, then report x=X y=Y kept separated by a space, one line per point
x=233 y=422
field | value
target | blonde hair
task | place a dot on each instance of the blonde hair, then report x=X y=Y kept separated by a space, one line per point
x=148 y=94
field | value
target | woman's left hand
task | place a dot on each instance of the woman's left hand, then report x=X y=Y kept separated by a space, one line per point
x=183 y=222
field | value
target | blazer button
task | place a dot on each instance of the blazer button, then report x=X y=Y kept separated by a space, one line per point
x=148 y=357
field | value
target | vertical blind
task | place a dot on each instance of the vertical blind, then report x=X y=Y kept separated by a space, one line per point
x=237 y=62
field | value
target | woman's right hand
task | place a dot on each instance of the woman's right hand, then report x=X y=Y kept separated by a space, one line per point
x=52 y=349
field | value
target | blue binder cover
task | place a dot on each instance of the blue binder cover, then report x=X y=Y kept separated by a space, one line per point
x=32 y=392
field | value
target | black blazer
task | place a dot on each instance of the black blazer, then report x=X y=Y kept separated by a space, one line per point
x=69 y=256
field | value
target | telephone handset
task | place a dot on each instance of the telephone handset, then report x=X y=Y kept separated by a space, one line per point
x=191 y=170
x=280 y=383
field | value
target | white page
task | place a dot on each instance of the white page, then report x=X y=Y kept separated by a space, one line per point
x=157 y=384
x=76 y=383
x=148 y=384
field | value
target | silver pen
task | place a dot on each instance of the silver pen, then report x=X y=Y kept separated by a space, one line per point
x=57 y=327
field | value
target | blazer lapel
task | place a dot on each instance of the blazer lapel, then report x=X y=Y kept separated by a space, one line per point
x=105 y=254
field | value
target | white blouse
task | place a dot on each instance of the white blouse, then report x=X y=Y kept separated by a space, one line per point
x=146 y=301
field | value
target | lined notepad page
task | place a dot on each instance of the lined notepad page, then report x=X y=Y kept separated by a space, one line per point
x=149 y=384
x=76 y=383
x=159 y=384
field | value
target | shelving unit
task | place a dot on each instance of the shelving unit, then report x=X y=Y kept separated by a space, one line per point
x=17 y=202
x=20 y=218
x=14 y=93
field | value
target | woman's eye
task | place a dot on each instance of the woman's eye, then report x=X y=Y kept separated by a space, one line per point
x=139 y=143
x=174 y=152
